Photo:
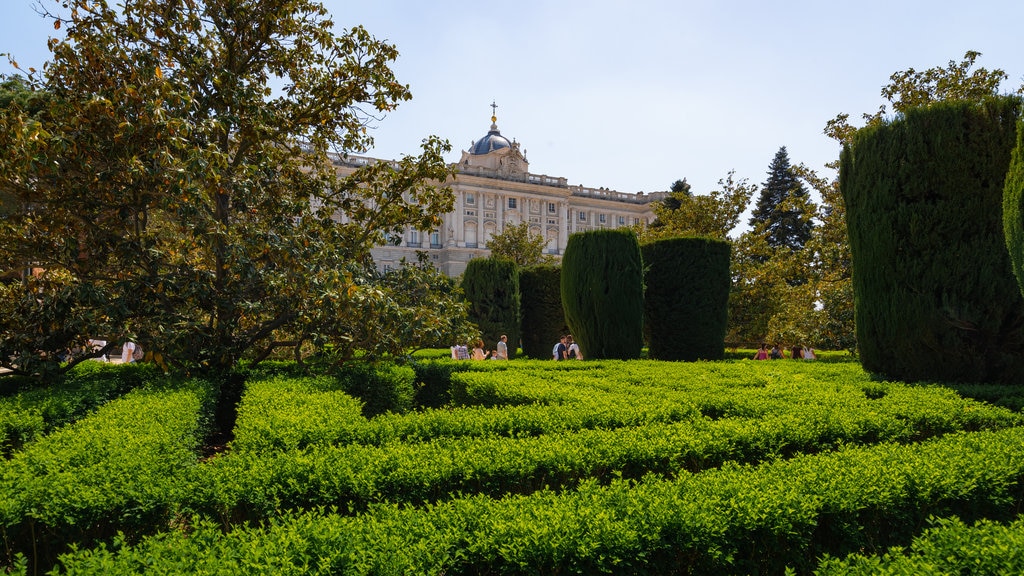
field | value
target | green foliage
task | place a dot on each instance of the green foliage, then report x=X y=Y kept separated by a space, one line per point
x=381 y=387
x=492 y=288
x=909 y=89
x=935 y=294
x=518 y=244
x=543 y=321
x=412 y=306
x=948 y=546
x=1013 y=208
x=119 y=469
x=31 y=413
x=778 y=212
x=602 y=293
x=713 y=467
x=734 y=520
x=183 y=200
x=712 y=215
x=686 y=298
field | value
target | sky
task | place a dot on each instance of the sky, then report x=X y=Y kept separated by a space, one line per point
x=633 y=96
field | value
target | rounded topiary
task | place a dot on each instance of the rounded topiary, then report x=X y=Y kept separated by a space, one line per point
x=543 y=319
x=492 y=288
x=935 y=296
x=686 y=302
x=602 y=293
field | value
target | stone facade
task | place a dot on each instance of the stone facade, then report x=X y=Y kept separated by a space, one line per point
x=494 y=187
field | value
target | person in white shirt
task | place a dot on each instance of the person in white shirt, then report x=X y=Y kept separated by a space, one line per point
x=128 y=352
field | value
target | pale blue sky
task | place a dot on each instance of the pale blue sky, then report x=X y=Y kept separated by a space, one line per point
x=635 y=95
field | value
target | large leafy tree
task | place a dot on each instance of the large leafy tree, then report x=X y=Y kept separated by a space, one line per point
x=910 y=88
x=517 y=244
x=780 y=211
x=712 y=215
x=178 y=183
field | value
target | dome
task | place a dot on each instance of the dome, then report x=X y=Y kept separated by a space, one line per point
x=493 y=141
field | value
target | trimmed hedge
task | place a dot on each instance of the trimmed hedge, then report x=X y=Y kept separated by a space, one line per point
x=603 y=293
x=934 y=291
x=119 y=469
x=543 y=317
x=686 y=300
x=949 y=546
x=1013 y=208
x=492 y=289
x=732 y=520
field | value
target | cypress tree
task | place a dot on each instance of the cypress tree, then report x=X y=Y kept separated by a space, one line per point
x=686 y=300
x=935 y=296
x=492 y=288
x=543 y=320
x=602 y=293
x=783 y=226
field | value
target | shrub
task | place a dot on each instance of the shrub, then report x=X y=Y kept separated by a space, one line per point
x=603 y=293
x=382 y=387
x=543 y=320
x=686 y=298
x=934 y=290
x=492 y=289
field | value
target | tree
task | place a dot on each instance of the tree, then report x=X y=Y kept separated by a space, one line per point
x=181 y=189
x=780 y=208
x=910 y=89
x=517 y=244
x=712 y=215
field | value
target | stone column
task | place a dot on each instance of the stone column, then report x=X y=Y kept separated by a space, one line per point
x=563 y=226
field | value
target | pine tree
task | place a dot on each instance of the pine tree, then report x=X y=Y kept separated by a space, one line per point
x=779 y=211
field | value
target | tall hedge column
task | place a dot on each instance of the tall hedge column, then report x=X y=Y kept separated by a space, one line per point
x=603 y=292
x=540 y=288
x=492 y=289
x=686 y=303
x=935 y=297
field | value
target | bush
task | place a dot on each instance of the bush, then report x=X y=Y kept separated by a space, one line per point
x=492 y=289
x=686 y=300
x=934 y=290
x=382 y=387
x=603 y=293
x=543 y=320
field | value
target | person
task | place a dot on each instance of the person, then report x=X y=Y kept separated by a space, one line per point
x=573 y=350
x=559 y=351
x=809 y=353
x=776 y=353
x=99 y=345
x=762 y=352
x=502 y=352
x=128 y=352
x=478 y=351
x=463 y=352
x=796 y=353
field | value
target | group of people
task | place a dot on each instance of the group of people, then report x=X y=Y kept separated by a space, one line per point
x=778 y=353
x=463 y=352
x=130 y=351
x=566 y=349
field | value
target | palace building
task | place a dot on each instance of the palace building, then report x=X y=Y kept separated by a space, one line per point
x=494 y=187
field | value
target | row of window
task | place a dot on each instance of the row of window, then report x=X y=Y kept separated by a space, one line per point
x=513 y=203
